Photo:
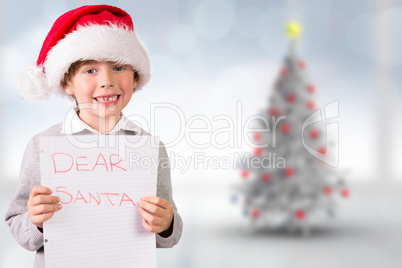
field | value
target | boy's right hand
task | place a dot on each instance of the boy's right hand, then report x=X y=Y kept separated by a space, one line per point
x=41 y=205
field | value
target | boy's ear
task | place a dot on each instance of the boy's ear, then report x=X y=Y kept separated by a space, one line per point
x=68 y=90
x=135 y=83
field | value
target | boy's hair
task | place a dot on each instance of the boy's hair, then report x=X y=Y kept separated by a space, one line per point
x=72 y=70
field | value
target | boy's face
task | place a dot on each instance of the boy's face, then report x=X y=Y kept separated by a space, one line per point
x=102 y=89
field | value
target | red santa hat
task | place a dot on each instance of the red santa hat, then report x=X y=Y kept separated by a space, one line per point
x=97 y=32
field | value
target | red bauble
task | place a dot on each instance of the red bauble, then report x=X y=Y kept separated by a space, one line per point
x=289 y=172
x=322 y=150
x=245 y=174
x=291 y=98
x=327 y=190
x=258 y=151
x=284 y=71
x=255 y=213
x=274 y=112
x=345 y=193
x=310 y=105
x=285 y=128
x=257 y=136
x=266 y=177
x=310 y=88
x=302 y=65
x=300 y=214
x=314 y=134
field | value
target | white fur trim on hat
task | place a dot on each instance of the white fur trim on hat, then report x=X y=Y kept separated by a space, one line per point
x=33 y=85
x=90 y=42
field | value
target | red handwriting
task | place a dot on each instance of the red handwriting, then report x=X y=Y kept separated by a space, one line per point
x=67 y=197
x=63 y=163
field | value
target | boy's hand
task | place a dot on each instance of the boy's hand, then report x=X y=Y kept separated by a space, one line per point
x=156 y=212
x=41 y=205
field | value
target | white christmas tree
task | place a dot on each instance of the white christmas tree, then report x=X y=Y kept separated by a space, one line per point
x=284 y=186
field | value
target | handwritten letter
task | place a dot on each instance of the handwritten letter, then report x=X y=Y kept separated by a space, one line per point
x=99 y=224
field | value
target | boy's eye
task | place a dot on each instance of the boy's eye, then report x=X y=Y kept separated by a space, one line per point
x=90 y=71
x=118 y=68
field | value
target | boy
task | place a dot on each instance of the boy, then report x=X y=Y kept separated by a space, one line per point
x=92 y=55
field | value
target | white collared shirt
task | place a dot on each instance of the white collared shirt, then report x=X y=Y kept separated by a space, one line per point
x=72 y=124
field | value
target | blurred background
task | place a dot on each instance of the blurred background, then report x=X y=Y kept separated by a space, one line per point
x=221 y=58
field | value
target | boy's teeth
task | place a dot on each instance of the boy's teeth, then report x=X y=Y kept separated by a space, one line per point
x=101 y=99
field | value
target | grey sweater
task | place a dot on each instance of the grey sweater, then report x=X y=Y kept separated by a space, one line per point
x=30 y=237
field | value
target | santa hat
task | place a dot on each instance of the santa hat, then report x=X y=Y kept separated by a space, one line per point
x=98 y=32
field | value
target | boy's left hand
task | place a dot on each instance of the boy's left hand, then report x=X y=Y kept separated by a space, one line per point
x=156 y=212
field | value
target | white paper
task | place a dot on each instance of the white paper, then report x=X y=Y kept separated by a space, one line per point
x=99 y=224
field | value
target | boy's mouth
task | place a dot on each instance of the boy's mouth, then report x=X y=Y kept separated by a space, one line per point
x=107 y=100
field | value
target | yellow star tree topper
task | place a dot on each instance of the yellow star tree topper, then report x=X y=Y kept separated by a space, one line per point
x=293 y=29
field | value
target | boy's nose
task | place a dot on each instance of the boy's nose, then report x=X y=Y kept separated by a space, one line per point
x=107 y=80
x=106 y=84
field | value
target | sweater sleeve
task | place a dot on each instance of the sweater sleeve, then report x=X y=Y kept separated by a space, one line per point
x=164 y=190
x=24 y=231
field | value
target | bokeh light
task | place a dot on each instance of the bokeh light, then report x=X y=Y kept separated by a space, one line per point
x=247 y=22
x=361 y=35
x=181 y=38
x=214 y=19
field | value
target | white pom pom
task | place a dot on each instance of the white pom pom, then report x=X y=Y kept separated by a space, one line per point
x=33 y=85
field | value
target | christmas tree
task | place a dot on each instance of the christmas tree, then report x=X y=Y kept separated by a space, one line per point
x=285 y=185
